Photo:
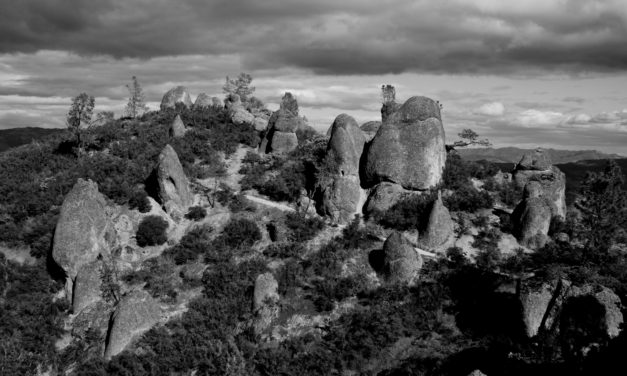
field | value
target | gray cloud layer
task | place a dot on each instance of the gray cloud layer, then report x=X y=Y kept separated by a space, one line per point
x=335 y=37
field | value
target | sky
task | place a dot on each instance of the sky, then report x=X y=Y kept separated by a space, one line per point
x=526 y=73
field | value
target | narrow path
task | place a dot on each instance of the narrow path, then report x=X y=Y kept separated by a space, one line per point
x=263 y=201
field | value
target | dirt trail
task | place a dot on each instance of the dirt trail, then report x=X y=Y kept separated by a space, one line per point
x=263 y=201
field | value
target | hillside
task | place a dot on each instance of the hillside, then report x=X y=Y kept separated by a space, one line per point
x=232 y=240
x=512 y=154
x=12 y=137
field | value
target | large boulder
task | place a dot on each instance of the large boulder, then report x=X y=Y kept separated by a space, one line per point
x=87 y=287
x=532 y=217
x=542 y=305
x=240 y=116
x=174 y=191
x=203 y=101
x=135 y=314
x=176 y=95
x=401 y=262
x=83 y=231
x=281 y=142
x=265 y=299
x=370 y=129
x=343 y=198
x=383 y=196
x=261 y=124
x=177 y=128
x=440 y=227
x=536 y=166
x=282 y=126
x=408 y=148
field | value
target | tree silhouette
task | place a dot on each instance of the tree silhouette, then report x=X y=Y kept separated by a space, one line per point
x=136 y=101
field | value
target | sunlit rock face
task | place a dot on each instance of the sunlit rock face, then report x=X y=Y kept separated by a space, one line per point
x=408 y=149
x=176 y=95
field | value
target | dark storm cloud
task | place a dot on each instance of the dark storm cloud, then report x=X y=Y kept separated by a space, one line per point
x=335 y=37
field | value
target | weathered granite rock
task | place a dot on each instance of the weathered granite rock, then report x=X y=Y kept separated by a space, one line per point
x=135 y=314
x=281 y=142
x=532 y=218
x=177 y=129
x=440 y=227
x=383 y=196
x=260 y=124
x=370 y=129
x=401 y=263
x=408 y=148
x=285 y=121
x=87 y=286
x=265 y=299
x=240 y=116
x=176 y=95
x=95 y=316
x=173 y=183
x=347 y=143
x=542 y=305
x=289 y=103
x=341 y=199
x=83 y=231
x=203 y=101
x=536 y=166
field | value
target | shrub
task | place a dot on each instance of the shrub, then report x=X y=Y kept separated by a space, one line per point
x=301 y=228
x=151 y=231
x=241 y=233
x=284 y=250
x=409 y=213
x=139 y=200
x=196 y=213
x=468 y=199
x=192 y=244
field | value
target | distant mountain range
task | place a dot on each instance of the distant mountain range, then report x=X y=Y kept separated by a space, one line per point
x=513 y=155
x=12 y=137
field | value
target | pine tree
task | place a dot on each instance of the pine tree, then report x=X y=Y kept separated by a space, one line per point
x=240 y=86
x=80 y=113
x=136 y=102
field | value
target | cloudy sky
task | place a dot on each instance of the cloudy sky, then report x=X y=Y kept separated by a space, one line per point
x=529 y=73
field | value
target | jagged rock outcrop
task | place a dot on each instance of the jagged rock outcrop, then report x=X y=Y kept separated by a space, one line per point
x=542 y=305
x=261 y=124
x=370 y=129
x=265 y=299
x=401 y=262
x=343 y=198
x=536 y=166
x=440 y=227
x=83 y=231
x=532 y=217
x=282 y=125
x=174 y=190
x=176 y=95
x=177 y=128
x=95 y=316
x=408 y=148
x=203 y=101
x=135 y=314
x=87 y=287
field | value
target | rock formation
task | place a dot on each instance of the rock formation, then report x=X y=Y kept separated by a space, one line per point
x=83 y=231
x=383 y=196
x=176 y=95
x=174 y=191
x=203 y=101
x=282 y=125
x=401 y=262
x=370 y=129
x=532 y=217
x=342 y=199
x=536 y=166
x=87 y=286
x=408 y=149
x=177 y=128
x=265 y=298
x=542 y=305
x=440 y=227
x=135 y=314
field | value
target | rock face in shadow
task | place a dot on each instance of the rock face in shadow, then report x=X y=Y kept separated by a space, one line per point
x=177 y=129
x=532 y=217
x=174 y=191
x=536 y=166
x=542 y=305
x=83 y=231
x=383 y=196
x=87 y=286
x=135 y=314
x=342 y=199
x=176 y=95
x=401 y=263
x=408 y=149
x=440 y=227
